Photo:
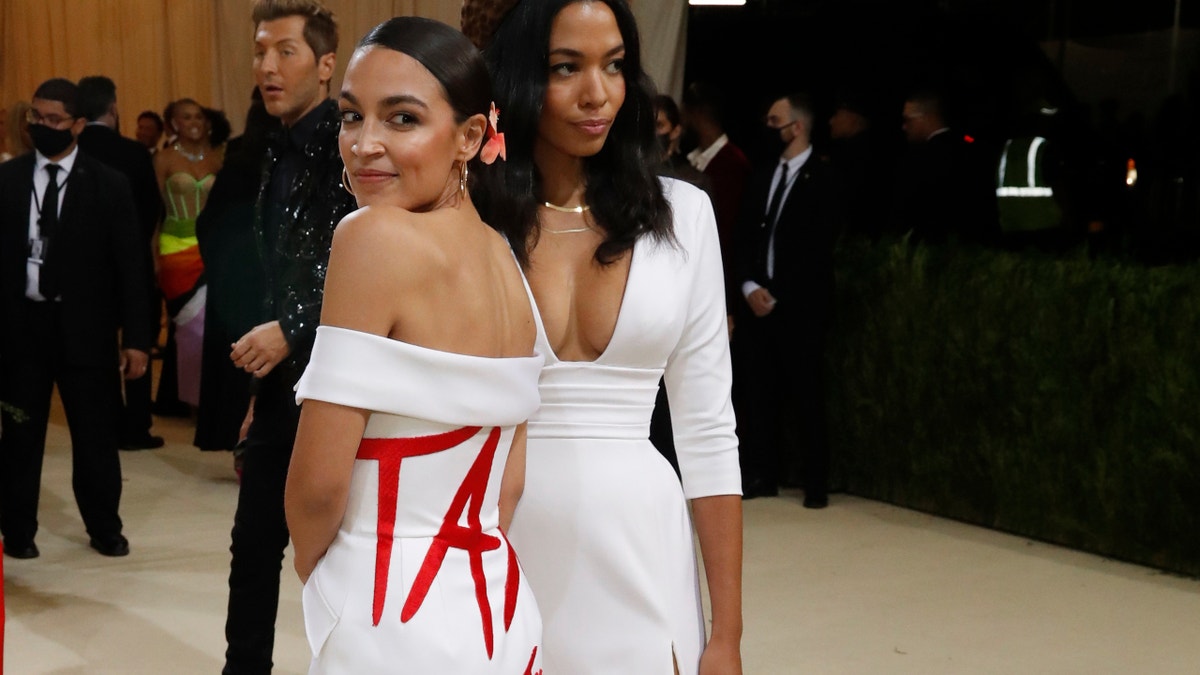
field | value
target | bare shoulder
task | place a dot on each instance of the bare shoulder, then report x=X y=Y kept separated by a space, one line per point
x=371 y=227
x=498 y=244
x=388 y=241
x=162 y=158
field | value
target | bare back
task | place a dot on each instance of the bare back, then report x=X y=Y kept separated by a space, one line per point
x=442 y=280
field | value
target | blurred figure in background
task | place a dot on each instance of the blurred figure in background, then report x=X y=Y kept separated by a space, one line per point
x=668 y=127
x=186 y=171
x=862 y=159
x=5 y=155
x=225 y=233
x=149 y=130
x=17 y=130
x=102 y=139
x=943 y=189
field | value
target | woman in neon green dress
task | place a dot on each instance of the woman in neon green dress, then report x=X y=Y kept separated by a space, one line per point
x=186 y=170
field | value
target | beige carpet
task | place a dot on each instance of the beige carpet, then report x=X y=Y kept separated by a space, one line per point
x=858 y=588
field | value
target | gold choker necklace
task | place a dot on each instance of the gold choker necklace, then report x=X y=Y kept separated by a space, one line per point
x=566 y=209
x=572 y=230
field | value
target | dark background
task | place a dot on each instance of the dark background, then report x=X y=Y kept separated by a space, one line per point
x=995 y=60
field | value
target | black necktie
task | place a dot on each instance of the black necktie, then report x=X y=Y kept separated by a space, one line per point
x=777 y=198
x=49 y=214
x=771 y=217
x=47 y=224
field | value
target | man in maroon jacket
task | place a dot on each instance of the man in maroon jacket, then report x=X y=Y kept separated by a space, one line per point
x=723 y=163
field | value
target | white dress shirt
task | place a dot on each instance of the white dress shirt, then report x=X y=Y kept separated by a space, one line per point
x=793 y=166
x=41 y=181
x=701 y=157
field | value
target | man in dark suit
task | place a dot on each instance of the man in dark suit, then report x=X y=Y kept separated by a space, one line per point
x=863 y=157
x=72 y=277
x=102 y=140
x=785 y=267
x=945 y=189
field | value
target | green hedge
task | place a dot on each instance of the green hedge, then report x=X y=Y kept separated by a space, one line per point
x=1055 y=398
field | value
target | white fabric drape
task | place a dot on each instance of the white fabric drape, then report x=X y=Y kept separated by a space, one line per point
x=663 y=28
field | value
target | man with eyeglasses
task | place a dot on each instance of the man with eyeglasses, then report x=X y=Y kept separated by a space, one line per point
x=943 y=190
x=73 y=294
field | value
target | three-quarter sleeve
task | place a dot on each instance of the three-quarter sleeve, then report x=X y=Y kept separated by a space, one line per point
x=698 y=374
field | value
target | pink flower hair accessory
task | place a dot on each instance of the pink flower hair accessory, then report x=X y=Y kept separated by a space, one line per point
x=493 y=146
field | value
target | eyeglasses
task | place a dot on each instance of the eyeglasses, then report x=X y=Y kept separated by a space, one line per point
x=32 y=116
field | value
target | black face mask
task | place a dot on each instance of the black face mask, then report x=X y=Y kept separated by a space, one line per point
x=772 y=141
x=50 y=142
x=664 y=142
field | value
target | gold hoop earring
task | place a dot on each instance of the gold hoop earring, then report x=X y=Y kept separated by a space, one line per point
x=346 y=182
x=462 y=180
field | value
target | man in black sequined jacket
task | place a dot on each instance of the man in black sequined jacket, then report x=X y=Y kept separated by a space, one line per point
x=301 y=200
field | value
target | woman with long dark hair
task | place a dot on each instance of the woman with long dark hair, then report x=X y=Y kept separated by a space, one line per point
x=625 y=268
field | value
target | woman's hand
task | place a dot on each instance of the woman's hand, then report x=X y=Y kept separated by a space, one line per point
x=721 y=657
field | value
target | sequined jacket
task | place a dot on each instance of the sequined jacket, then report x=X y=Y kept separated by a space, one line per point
x=295 y=268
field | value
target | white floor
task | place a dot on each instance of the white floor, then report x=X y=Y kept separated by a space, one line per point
x=861 y=587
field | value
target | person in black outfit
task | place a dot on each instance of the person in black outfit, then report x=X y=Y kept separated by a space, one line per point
x=862 y=156
x=668 y=127
x=102 y=140
x=72 y=277
x=785 y=263
x=945 y=186
x=300 y=201
x=225 y=230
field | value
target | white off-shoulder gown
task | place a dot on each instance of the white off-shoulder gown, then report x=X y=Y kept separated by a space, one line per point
x=603 y=528
x=419 y=578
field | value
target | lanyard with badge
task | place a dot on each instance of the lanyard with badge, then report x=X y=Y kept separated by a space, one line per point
x=39 y=246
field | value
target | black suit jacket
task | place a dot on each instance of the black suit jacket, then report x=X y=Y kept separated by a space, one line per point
x=98 y=255
x=132 y=159
x=945 y=190
x=805 y=233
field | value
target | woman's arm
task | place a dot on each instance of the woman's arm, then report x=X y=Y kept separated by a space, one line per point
x=699 y=380
x=719 y=529
x=318 y=482
x=329 y=434
x=513 y=482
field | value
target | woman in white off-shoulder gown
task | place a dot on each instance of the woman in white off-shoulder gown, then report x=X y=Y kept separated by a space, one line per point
x=410 y=450
x=419 y=572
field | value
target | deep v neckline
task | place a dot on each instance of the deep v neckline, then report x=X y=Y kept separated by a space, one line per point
x=543 y=336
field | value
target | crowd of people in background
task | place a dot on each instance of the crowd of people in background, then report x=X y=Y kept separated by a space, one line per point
x=1051 y=185
x=910 y=170
x=1048 y=183
x=171 y=165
